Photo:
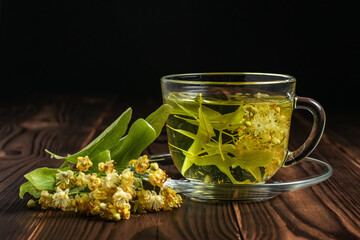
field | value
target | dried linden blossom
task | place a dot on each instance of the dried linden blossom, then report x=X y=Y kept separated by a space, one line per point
x=109 y=194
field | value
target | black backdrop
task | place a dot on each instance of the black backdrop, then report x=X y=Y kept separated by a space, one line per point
x=124 y=47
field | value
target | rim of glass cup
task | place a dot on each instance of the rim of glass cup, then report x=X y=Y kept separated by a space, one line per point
x=285 y=78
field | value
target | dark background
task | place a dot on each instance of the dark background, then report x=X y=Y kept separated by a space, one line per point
x=124 y=47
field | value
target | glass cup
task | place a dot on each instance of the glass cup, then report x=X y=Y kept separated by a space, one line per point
x=234 y=127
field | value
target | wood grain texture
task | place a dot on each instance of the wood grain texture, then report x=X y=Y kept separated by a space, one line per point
x=64 y=124
x=59 y=124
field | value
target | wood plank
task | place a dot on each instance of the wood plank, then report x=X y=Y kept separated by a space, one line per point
x=344 y=132
x=192 y=221
x=58 y=123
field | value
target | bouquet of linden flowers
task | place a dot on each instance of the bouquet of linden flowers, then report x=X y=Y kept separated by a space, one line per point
x=107 y=176
x=110 y=194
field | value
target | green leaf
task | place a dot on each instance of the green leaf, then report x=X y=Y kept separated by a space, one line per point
x=108 y=139
x=191 y=109
x=256 y=173
x=29 y=188
x=140 y=135
x=205 y=128
x=230 y=148
x=65 y=166
x=158 y=118
x=229 y=120
x=189 y=158
x=203 y=136
x=255 y=159
x=42 y=178
x=183 y=132
x=210 y=113
x=227 y=172
x=153 y=123
x=104 y=156
x=191 y=121
x=216 y=160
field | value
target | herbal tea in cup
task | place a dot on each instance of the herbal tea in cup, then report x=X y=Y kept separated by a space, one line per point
x=234 y=127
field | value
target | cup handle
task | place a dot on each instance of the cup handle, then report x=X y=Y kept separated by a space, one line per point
x=316 y=132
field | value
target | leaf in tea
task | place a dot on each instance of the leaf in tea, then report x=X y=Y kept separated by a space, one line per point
x=228 y=138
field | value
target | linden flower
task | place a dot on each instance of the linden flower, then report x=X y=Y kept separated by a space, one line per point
x=121 y=202
x=93 y=182
x=124 y=210
x=100 y=194
x=121 y=194
x=127 y=181
x=112 y=212
x=125 y=213
x=83 y=163
x=80 y=203
x=63 y=176
x=138 y=207
x=171 y=198
x=65 y=179
x=148 y=200
x=107 y=167
x=111 y=180
x=94 y=207
x=258 y=122
x=157 y=177
x=141 y=164
x=45 y=200
x=61 y=198
x=112 y=196
x=81 y=180
x=138 y=183
x=144 y=199
x=157 y=202
x=107 y=211
x=127 y=176
x=154 y=166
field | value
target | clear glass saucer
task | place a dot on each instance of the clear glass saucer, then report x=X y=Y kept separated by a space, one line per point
x=308 y=172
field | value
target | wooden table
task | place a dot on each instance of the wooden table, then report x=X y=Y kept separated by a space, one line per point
x=64 y=124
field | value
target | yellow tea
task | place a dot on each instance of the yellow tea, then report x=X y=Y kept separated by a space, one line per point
x=242 y=139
